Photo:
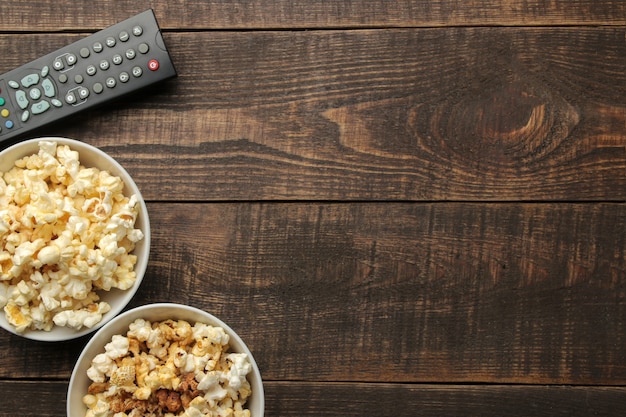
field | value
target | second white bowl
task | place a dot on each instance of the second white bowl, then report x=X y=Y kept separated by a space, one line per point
x=79 y=382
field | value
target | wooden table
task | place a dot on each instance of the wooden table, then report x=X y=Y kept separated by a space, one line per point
x=404 y=207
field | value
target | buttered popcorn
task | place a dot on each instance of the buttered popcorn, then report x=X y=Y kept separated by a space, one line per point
x=67 y=231
x=168 y=369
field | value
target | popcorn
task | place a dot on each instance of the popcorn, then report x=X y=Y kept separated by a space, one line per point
x=118 y=347
x=67 y=232
x=133 y=377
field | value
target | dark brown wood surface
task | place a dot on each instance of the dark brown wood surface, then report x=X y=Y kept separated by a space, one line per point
x=405 y=208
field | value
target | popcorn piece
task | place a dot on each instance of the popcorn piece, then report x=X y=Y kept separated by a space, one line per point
x=240 y=367
x=117 y=347
x=157 y=364
x=67 y=232
x=49 y=255
x=101 y=366
x=123 y=376
x=17 y=316
x=79 y=318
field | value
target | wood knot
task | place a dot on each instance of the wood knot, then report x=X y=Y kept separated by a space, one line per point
x=507 y=125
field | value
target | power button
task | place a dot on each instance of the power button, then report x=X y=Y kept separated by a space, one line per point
x=153 y=65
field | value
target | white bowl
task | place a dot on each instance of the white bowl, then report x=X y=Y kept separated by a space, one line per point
x=79 y=382
x=89 y=156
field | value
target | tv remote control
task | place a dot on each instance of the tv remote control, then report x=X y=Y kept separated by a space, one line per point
x=101 y=67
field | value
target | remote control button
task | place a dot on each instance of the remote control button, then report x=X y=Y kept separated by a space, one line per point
x=98 y=88
x=110 y=82
x=153 y=65
x=104 y=65
x=56 y=103
x=5 y=113
x=83 y=93
x=62 y=78
x=97 y=47
x=22 y=100
x=143 y=48
x=137 y=72
x=35 y=93
x=124 y=77
x=84 y=52
x=110 y=41
x=40 y=107
x=117 y=59
x=25 y=116
x=45 y=71
x=58 y=64
x=13 y=84
x=70 y=59
x=30 y=80
x=8 y=124
x=70 y=97
x=137 y=30
x=91 y=70
x=78 y=79
x=124 y=36
x=130 y=53
x=2 y=101
x=48 y=88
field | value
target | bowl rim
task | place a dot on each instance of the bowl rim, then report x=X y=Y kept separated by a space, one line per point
x=164 y=311
x=57 y=334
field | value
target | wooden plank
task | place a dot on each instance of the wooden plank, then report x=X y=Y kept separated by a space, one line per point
x=289 y=399
x=29 y=398
x=385 y=292
x=497 y=293
x=17 y=15
x=443 y=114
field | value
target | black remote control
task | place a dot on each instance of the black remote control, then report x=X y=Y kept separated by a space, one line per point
x=101 y=67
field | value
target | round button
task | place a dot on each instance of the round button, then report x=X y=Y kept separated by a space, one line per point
x=153 y=65
x=71 y=59
x=110 y=82
x=62 y=78
x=70 y=98
x=58 y=64
x=5 y=113
x=98 y=88
x=110 y=41
x=35 y=93
x=137 y=30
x=97 y=47
x=124 y=36
x=9 y=124
x=143 y=48
x=130 y=54
x=117 y=59
x=91 y=70
x=84 y=52
x=78 y=79
x=124 y=77
x=2 y=101
x=137 y=72
x=104 y=65
x=83 y=93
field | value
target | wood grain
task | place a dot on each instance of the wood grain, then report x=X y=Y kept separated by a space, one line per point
x=516 y=114
x=404 y=208
x=314 y=399
x=475 y=293
x=46 y=16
